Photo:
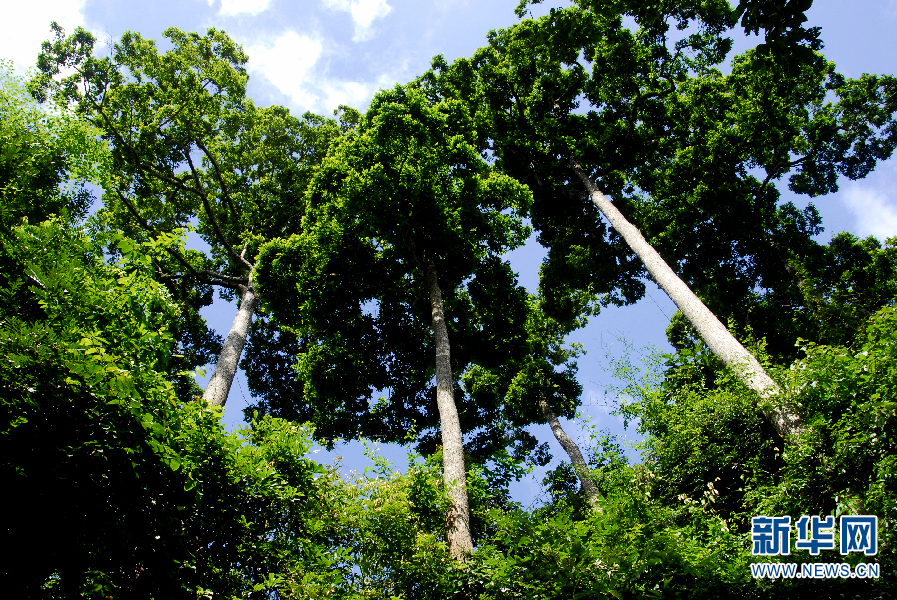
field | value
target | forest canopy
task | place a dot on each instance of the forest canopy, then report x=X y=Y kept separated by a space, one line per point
x=367 y=255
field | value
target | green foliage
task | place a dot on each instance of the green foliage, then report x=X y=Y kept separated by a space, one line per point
x=756 y=256
x=846 y=461
x=849 y=283
x=394 y=531
x=123 y=486
x=633 y=92
x=45 y=158
x=189 y=151
x=186 y=143
x=605 y=459
x=690 y=417
x=405 y=187
x=120 y=489
x=634 y=548
x=118 y=485
x=835 y=288
x=711 y=449
x=782 y=22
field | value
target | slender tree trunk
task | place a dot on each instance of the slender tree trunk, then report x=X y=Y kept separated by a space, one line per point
x=458 y=519
x=587 y=486
x=722 y=343
x=226 y=368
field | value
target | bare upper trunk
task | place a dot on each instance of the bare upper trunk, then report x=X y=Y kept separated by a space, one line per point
x=587 y=486
x=722 y=343
x=458 y=518
x=226 y=368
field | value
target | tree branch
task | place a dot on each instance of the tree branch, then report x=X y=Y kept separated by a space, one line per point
x=641 y=98
x=179 y=184
x=203 y=275
x=136 y=155
x=782 y=165
x=215 y=226
x=220 y=178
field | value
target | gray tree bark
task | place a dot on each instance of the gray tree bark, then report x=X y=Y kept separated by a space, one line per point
x=587 y=486
x=457 y=520
x=722 y=343
x=226 y=368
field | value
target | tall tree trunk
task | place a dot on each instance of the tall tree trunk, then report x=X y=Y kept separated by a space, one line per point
x=722 y=343
x=458 y=519
x=226 y=368
x=587 y=486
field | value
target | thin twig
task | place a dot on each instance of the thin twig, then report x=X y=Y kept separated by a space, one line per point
x=217 y=228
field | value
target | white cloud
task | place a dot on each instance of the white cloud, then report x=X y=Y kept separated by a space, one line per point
x=293 y=63
x=875 y=212
x=236 y=7
x=26 y=24
x=873 y=201
x=351 y=93
x=363 y=12
x=287 y=64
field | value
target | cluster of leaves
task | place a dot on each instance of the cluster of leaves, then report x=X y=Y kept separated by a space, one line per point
x=405 y=188
x=711 y=449
x=103 y=456
x=45 y=158
x=678 y=525
x=120 y=488
x=635 y=546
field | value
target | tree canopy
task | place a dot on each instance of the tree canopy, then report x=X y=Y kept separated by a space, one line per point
x=371 y=247
x=189 y=150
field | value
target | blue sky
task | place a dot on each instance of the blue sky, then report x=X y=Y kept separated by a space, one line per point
x=317 y=54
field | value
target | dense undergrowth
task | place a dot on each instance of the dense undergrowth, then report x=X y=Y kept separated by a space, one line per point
x=123 y=489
